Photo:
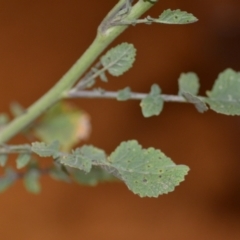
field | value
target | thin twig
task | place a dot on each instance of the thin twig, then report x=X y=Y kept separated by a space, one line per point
x=113 y=95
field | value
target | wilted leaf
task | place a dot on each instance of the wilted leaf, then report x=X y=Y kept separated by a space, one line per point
x=65 y=123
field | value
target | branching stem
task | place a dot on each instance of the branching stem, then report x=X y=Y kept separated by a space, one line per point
x=101 y=42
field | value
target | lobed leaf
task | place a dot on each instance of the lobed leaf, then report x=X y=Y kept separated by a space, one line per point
x=146 y=172
x=225 y=95
x=119 y=59
x=152 y=104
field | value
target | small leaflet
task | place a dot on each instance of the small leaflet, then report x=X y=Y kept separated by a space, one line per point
x=146 y=172
x=58 y=174
x=3 y=159
x=188 y=82
x=4 y=119
x=22 y=160
x=124 y=94
x=7 y=180
x=152 y=104
x=46 y=150
x=94 y=177
x=225 y=95
x=198 y=103
x=31 y=181
x=119 y=59
x=176 y=17
x=83 y=158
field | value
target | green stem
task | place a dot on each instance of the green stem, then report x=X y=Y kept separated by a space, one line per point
x=102 y=40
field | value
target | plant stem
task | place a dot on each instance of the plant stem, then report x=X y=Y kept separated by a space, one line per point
x=104 y=37
x=113 y=95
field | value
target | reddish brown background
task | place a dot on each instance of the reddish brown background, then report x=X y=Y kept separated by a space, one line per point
x=40 y=40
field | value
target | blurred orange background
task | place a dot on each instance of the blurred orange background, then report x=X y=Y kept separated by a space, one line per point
x=39 y=42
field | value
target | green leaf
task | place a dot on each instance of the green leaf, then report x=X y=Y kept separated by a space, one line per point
x=83 y=158
x=152 y=104
x=3 y=159
x=46 y=150
x=188 y=82
x=225 y=95
x=198 y=103
x=63 y=122
x=7 y=180
x=4 y=119
x=23 y=159
x=119 y=59
x=16 y=109
x=146 y=172
x=95 y=176
x=31 y=181
x=124 y=94
x=176 y=17
x=58 y=174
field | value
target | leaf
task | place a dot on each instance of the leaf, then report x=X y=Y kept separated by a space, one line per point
x=83 y=158
x=152 y=104
x=7 y=180
x=58 y=174
x=146 y=172
x=225 y=95
x=3 y=159
x=119 y=59
x=188 y=82
x=46 y=150
x=63 y=122
x=176 y=17
x=16 y=109
x=4 y=119
x=23 y=159
x=31 y=181
x=124 y=94
x=198 y=103
x=95 y=176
